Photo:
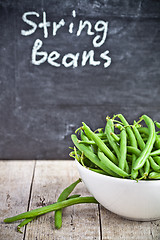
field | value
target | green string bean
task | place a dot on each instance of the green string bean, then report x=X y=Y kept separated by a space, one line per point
x=133 y=142
x=63 y=196
x=50 y=208
x=149 y=145
x=100 y=143
x=93 y=157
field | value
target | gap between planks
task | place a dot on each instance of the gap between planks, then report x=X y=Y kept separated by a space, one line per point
x=23 y=183
x=15 y=181
x=30 y=193
x=79 y=221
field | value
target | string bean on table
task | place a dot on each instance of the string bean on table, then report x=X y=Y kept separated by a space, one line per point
x=63 y=196
x=50 y=208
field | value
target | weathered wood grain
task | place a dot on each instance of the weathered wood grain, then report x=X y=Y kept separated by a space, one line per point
x=115 y=227
x=79 y=221
x=155 y=230
x=15 y=182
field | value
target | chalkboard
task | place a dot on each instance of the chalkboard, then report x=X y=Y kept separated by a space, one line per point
x=64 y=62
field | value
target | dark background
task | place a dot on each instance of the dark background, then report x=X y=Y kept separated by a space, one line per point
x=41 y=106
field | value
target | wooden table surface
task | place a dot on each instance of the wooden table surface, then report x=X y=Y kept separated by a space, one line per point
x=30 y=184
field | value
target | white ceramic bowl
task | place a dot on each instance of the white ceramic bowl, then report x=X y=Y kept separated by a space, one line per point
x=128 y=198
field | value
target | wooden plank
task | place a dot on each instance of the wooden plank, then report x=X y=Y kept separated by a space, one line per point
x=155 y=230
x=115 y=227
x=79 y=221
x=15 y=182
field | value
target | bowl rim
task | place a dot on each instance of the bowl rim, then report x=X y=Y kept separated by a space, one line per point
x=115 y=178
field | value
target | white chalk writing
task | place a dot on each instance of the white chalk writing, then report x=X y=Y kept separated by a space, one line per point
x=97 y=32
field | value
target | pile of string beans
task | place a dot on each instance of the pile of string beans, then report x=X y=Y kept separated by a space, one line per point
x=120 y=149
